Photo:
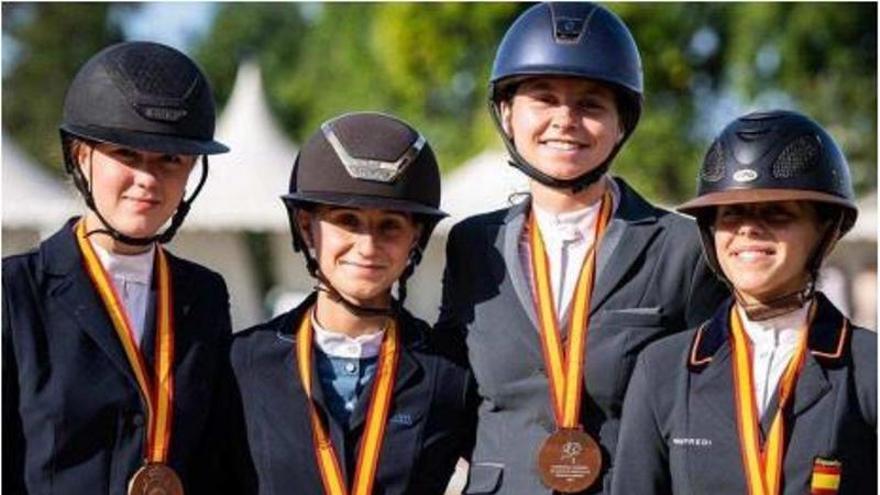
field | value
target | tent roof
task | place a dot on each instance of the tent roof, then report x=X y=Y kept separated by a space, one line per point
x=244 y=185
x=32 y=197
x=483 y=183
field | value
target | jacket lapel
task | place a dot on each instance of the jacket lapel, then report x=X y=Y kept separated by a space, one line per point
x=711 y=370
x=513 y=230
x=632 y=227
x=73 y=289
x=828 y=344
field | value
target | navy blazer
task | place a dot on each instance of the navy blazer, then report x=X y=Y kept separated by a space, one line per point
x=73 y=418
x=427 y=429
x=651 y=280
x=679 y=432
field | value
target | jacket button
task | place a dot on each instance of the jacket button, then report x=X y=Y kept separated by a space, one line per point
x=137 y=420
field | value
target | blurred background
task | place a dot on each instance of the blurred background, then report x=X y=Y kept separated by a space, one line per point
x=280 y=69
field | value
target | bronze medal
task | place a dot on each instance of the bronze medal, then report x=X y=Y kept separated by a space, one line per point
x=155 y=478
x=569 y=461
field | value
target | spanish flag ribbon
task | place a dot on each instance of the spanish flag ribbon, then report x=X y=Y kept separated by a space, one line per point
x=157 y=389
x=763 y=466
x=565 y=371
x=377 y=414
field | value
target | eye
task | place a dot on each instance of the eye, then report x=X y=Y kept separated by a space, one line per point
x=344 y=219
x=124 y=154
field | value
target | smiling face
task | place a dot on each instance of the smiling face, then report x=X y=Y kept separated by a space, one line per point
x=763 y=248
x=136 y=191
x=563 y=126
x=361 y=252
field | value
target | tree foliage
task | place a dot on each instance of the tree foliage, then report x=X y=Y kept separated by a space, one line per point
x=51 y=41
x=429 y=63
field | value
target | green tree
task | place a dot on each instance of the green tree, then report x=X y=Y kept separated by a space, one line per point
x=52 y=40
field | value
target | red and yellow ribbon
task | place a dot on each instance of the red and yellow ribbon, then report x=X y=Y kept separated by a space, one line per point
x=763 y=466
x=565 y=371
x=377 y=414
x=157 y=389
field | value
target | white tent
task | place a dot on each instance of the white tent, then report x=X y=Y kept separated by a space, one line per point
x=241 y=194
x=483 y=183
x=32 y=197
x=34 y=202
x=244 y=185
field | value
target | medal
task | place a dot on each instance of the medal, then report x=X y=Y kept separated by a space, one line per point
x=569 y=460
x=155 y=478
x=156 y=388
x=377 y=414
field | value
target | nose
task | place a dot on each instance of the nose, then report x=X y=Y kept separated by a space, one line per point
x=564 y=116
x=751 y=226
x=366 y=244
x=146 y=174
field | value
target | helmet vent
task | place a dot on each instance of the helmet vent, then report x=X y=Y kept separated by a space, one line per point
x=798 y=158
x=713 y=166
x=150 y=78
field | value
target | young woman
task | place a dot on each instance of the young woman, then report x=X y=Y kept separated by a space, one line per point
x=345 y=393
x=555 y=296
x=112 y=347
x=777 y=393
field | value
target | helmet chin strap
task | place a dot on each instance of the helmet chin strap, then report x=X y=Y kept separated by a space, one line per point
x=85 y=188
x=786 y=303
x=576 y=184
x=764 y=310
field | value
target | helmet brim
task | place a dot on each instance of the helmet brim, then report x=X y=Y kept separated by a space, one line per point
x=740 y=196
x=361 y=201
x=157 y=143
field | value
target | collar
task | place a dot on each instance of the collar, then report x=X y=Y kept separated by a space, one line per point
x=784 y=329
x=130 y=267
x=826 y=340
x=338 y=344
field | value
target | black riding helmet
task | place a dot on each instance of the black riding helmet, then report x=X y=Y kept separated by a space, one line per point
x=577 y=39
x=143 y=96
x=366 y=160
x=775 y=156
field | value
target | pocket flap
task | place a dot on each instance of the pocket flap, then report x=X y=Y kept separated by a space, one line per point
x=484 y=477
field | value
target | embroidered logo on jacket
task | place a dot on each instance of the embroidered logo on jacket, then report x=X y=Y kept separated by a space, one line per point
x=691 y=442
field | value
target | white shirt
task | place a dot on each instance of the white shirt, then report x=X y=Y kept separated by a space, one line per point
x=567 y=237
x=338 y=344
x=131 y=275
x=774 y=342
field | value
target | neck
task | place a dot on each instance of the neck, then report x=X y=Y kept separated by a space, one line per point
x=106 y=241
x=564 y=200
x=334 y=316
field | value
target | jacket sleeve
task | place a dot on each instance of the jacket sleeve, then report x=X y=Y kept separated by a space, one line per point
x=13 y=434
x=451 y=328
x=642 y=460
x=218 y=470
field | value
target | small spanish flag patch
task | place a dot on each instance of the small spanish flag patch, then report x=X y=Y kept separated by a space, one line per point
x=826 y=477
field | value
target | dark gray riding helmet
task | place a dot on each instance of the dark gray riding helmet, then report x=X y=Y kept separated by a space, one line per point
x=144 y=96
x=774 y=156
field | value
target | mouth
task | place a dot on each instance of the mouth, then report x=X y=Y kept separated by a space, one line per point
x=371 y=267
x=143 y=202
x=562 y=144
x=750 y=254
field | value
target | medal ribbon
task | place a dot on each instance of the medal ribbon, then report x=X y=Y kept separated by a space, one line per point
x=565 y=371
x=763 y=467
x=377 y=414
x=159 y=399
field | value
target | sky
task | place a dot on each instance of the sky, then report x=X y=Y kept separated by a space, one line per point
x=177 y=24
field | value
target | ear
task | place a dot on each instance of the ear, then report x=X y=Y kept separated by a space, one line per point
x=305 y=221
x=506 y=109
x=81 y=152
